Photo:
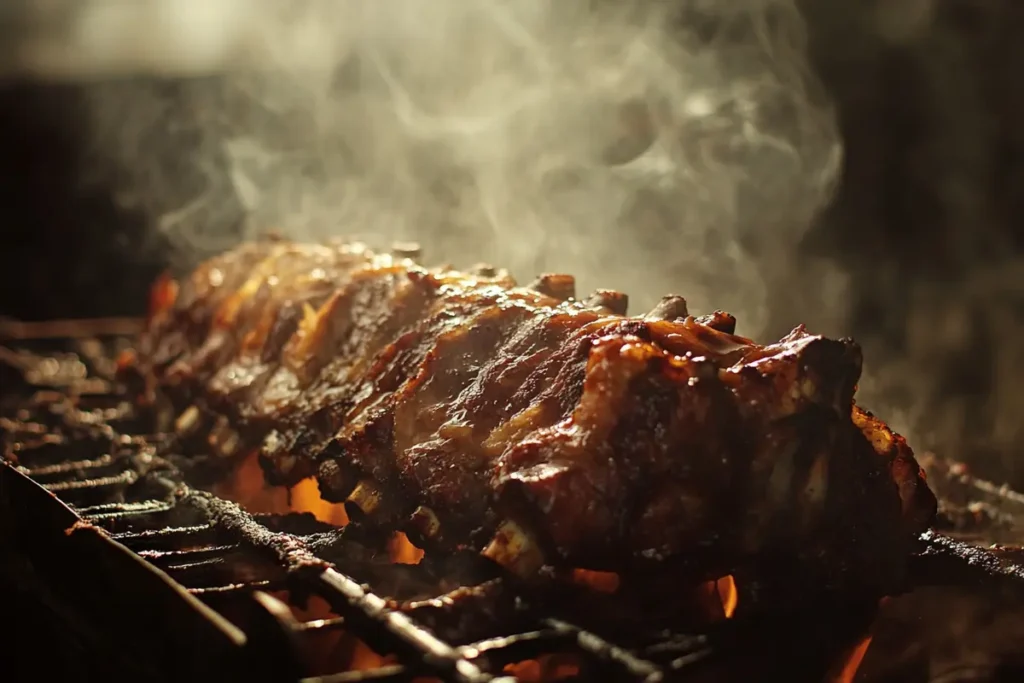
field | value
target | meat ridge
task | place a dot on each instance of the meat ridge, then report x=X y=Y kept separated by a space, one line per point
x=514 y=376
x=383 y=326
x=330 y=340
x=301 y=287
x=181 y=311
x=438 y=451
x=180 y=317
x=443 y=359
x=553 y=390
x=238 y=314
x=305 y=397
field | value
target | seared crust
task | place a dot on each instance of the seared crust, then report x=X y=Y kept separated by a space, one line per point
x=466 y=401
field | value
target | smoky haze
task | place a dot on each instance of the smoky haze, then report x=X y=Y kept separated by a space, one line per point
x=648 y=146
x=651 y=147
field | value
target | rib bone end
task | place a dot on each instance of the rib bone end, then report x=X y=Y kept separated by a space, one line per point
x=556 y=285
x=424 y=527
x=409 y=250
x=515 y=550
x=613 y=301
x=336 y=481
x=187 y=421
x=364 y=500
x=671 y=307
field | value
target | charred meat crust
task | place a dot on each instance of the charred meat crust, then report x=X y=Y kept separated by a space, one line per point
x=478 y=413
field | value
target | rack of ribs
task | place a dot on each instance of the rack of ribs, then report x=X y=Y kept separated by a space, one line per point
x=531 y=425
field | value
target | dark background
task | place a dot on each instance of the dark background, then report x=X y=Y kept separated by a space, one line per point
x=927 y=220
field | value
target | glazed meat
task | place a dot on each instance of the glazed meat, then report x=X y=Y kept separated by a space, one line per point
x=533 y=426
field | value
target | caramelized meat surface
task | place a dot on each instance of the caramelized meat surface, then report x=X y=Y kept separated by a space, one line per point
x=536 y=427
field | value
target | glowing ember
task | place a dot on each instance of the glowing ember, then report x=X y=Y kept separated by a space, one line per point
x=853 y=662
x=306 y=498
x=362 y=657
x=602 y=582
x=402 y=551
x=248 y=488
x=727 y=592
x=545 y=668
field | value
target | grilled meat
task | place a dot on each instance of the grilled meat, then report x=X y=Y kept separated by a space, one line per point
x=532 y=425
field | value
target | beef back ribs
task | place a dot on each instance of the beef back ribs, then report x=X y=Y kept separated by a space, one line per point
x=529 y=424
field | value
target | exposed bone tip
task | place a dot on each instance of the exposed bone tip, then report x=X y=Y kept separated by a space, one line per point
x=424 y=526
x=484 y=270
x=614 y=301
x=556 y=285
x=671 y=307
x=515 y=549
x=364 y=500
x=720 y=321
x=228 y=443
x=187 y=421
x=223 y=439
x=410 y=250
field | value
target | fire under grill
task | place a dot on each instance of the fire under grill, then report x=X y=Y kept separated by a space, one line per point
x=113 y=545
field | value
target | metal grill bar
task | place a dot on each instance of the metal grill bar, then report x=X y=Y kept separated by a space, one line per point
x=322 y=624
x=126 y=478
x=116 y=511
x=607 y=652
x=248 y=587
x=73 y=466
x=159 y=537
x=192 y=555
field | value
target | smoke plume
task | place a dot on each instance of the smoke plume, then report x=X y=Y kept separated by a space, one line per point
x=647 y=146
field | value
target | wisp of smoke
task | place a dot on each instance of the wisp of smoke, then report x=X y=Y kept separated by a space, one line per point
x=648 y=146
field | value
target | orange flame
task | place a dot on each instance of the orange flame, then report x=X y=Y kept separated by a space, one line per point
x=249 y=489
x=402 y=551
x=602 y=582
x=544 y=668
x=853 y=661
x=717 y=599
x=726 y=587
x=306 y=498
x=363 y=658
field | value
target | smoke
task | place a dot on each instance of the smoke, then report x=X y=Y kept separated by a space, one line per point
x=647 y=146
x=932 y=188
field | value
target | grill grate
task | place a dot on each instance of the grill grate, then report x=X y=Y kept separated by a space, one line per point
x=220 y=553
x=105 y=512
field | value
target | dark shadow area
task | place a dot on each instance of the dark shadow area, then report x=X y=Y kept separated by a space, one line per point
x=67 y=250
